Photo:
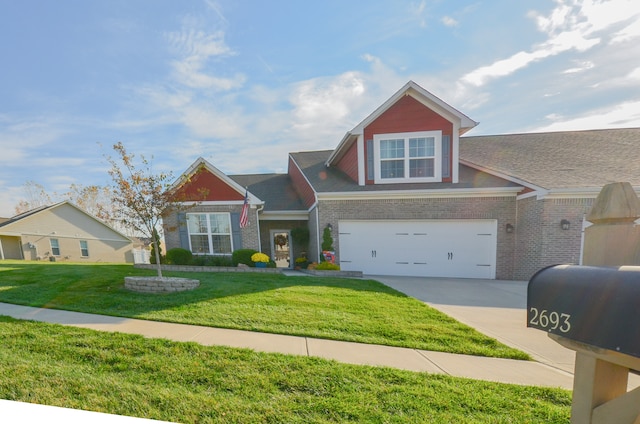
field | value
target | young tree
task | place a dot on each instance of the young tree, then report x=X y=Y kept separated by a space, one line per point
x=140 y=193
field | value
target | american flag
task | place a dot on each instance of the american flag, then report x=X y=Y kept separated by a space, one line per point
x=244 y=215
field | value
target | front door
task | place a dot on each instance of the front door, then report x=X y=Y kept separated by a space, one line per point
x=280 y=248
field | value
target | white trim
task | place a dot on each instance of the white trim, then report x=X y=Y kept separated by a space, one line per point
x=426 y=194
x=405 y=136
x=361 y=160
x=284 y=216
x=455 y=154
x=318 y=251
x=209 y=234
x=252 y=204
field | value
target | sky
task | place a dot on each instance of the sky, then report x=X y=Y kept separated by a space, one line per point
x=242 y=83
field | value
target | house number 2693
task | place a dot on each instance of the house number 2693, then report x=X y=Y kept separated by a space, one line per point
x=550 y=320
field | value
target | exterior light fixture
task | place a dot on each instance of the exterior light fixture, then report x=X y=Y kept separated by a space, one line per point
x=565 y=225
x=509 y=228
x=330 y=227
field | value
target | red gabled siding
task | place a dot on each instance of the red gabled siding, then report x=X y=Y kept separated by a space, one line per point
x=302 y=187
x=204 y=186
x=349 y=162
x=407 y=115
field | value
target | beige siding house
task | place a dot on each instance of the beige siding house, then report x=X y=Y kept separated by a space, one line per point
x=62 y=232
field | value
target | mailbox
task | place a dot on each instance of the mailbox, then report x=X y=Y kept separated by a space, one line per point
x=593 y=305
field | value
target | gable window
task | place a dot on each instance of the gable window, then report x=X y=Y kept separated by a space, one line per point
x=209 y=233
x=55 y=247
x=408 y=157
x=84 y=249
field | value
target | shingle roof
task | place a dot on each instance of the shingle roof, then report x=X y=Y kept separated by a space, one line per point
x=276 y=189
x=558 y=160
x=329 y=180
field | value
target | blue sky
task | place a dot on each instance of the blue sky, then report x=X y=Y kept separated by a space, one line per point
x=242 y=83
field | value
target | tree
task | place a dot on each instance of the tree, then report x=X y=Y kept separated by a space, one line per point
x=140 y=193
x=36 y=196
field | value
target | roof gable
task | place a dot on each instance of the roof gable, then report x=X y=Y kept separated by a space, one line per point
x=204 y=182
x=430 y=101
x=62 y=218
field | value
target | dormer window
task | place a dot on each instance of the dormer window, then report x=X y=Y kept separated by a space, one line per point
x=408 y=157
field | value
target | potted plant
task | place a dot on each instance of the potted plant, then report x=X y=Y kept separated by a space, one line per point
x=302 y=262
x=260 y=259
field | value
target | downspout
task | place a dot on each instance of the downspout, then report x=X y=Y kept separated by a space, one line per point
x=258 y=210
x=1 y=251
x=318 y=251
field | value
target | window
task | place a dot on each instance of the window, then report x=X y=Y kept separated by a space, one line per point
x=209 y=233
x=84 y=248
x=408 y=157
x=55 y=247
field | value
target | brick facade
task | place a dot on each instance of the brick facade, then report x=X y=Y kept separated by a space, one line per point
x=540 y=239
x=503 y=209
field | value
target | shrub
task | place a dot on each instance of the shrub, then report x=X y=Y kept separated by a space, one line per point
x=243 y=256
x=178 y=256
x=327 y=266
x=204 y=260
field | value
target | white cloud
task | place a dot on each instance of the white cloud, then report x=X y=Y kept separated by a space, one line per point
x=624 y=115
x=449 y=21
x=582 y=66
x=572 y=25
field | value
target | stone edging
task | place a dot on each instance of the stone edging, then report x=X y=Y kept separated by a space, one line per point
x=159 y=285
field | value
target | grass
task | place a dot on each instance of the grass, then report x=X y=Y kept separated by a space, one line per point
x=333 y=308
x=185 y=382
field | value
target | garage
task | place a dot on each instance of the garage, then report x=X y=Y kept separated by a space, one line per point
x=428 y=248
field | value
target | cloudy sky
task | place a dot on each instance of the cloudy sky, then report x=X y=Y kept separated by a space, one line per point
x=242 y=83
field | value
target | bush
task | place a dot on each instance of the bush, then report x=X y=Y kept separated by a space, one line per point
x=178 y=256
x=327 y=266
x=204 y=260
x=243 y=256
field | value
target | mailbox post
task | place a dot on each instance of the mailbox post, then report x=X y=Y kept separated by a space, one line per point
x=596 y=312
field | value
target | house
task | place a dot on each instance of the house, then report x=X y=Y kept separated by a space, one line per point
x=404 y=193
x=62 y=232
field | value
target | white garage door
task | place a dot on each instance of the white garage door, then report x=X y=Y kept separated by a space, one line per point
x=430 y=248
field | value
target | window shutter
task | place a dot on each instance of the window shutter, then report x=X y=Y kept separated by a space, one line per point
x=236 y=233
x=446 y=156
x=182 y=230
x=370 y=163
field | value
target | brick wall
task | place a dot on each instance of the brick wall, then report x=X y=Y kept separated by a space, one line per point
x=540 y=239
x=503 y=209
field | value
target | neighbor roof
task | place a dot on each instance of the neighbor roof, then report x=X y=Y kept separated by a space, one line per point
x=558 y=160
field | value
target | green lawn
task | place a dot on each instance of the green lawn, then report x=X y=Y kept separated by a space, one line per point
x=333 y=308
x=185 y=382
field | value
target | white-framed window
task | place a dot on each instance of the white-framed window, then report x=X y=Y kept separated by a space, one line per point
x=84 y=248
x=408 y=157
x=55 y=247
x=210 y=233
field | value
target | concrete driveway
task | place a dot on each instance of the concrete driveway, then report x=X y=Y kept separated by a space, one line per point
x=493 y=307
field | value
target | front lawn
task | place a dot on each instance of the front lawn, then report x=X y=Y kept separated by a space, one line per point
x=333 y=308
x=185 y=382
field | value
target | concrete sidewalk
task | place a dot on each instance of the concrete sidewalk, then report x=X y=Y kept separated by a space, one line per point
x=474 y=367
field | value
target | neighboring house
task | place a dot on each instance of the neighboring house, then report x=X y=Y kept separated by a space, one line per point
x=62 y=232
x=403 y=193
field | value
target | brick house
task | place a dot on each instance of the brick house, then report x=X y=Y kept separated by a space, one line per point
x=403 y=193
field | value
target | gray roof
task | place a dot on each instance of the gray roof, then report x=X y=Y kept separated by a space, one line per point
x=275 y=189
x=560 y=160
x=331 y=180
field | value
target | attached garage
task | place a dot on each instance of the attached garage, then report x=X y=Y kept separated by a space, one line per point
x=428 y=248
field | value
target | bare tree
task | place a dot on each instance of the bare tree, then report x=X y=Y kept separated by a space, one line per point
x=35 y=196
x=140 y=193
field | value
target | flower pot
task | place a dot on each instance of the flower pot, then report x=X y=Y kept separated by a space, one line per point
x=261 y=264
